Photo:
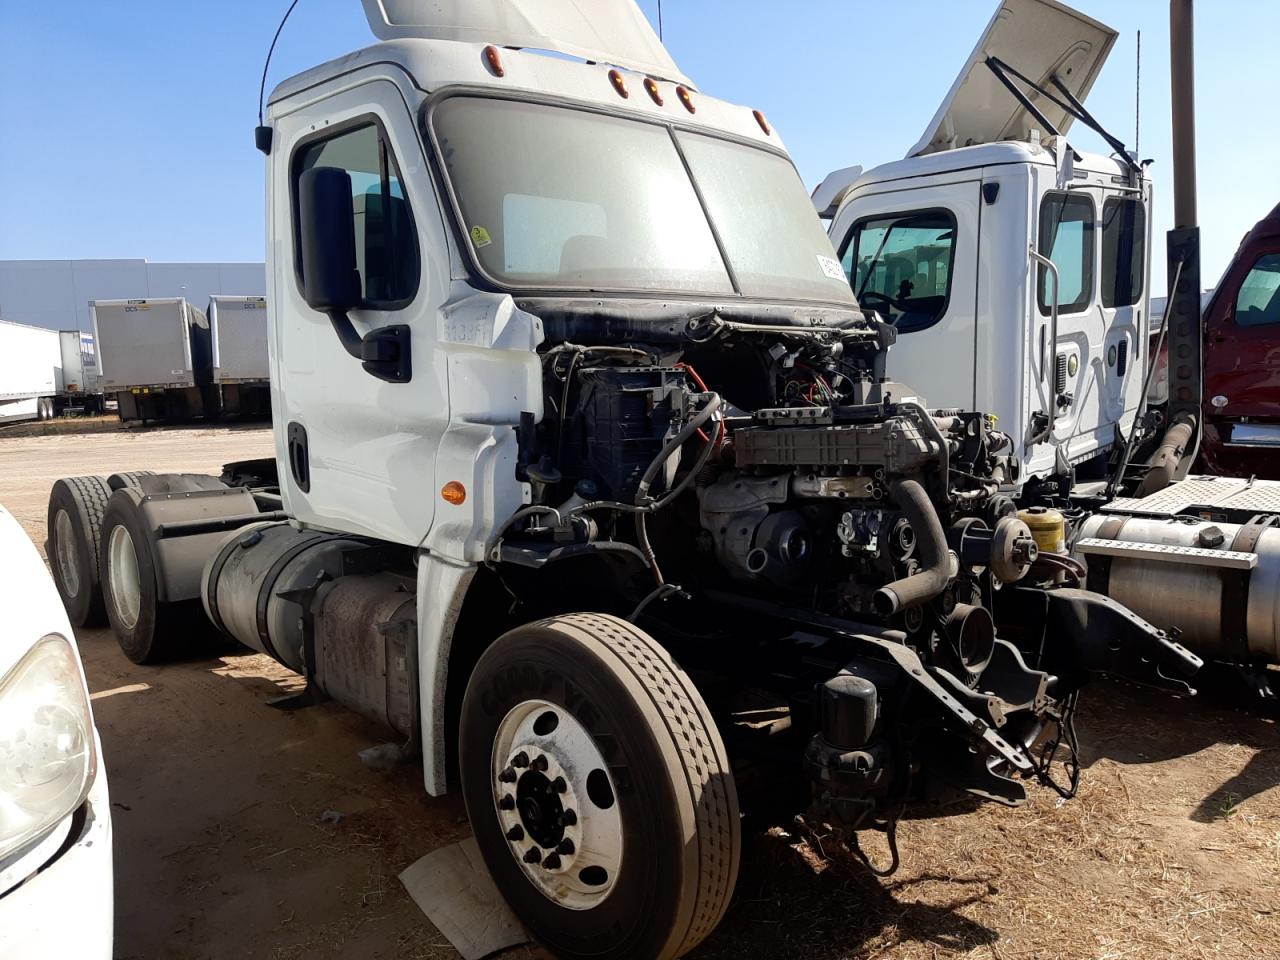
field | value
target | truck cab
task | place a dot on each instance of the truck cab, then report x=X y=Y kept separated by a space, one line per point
x=1014 y=267
x=1242 y=360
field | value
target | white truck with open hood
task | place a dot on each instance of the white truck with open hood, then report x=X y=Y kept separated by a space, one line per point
x=1015 y=270
x=584 y=465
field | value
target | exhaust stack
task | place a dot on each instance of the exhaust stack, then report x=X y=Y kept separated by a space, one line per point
x=1177 y=451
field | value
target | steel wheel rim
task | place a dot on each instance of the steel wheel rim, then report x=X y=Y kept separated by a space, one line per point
x=122 y=574
x=556 y=804
x=68 y=554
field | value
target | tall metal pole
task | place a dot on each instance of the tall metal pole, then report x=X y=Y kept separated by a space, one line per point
x=1181 y=442
x=1182 y=88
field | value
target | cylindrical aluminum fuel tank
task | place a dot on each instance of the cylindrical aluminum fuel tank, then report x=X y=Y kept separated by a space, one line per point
x=247 y=580
x=1223 y=613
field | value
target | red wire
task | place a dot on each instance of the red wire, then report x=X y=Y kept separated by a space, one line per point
x=702 y=385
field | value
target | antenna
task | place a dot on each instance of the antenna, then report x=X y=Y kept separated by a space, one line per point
x=659 y=21
x=262 y=135
x=1137 y=97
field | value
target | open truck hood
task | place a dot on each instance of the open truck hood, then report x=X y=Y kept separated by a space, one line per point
x=1038 y=38
x=608 y=31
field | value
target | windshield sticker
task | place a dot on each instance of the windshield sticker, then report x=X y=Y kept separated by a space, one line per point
x=480 y=237
x=832 y=268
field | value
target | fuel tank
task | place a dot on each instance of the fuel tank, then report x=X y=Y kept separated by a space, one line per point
x=1216 y=582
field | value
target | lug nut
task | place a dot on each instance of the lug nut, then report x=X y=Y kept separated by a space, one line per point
x=508 y=775
x=539 y=763
x=533 y=856
x=566 y=847
x=521 y=760
x=558 y=785
x=552 y=862
x=516 y=833
x=568 y=818
x=508 y=802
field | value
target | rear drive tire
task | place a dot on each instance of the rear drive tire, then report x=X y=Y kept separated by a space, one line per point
x=128 y=478
x=148 y=631
x=76 y=506
x=599 y=790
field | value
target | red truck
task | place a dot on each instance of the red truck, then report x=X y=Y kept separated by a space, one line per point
x=1241 y=360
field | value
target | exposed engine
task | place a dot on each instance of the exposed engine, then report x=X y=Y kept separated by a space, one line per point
x=772 y=474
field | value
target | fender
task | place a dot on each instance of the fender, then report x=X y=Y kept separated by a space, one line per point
x=442 y=588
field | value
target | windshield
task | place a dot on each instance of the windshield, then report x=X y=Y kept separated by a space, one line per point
x=559 y=198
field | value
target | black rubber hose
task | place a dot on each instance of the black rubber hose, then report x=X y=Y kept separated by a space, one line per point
x=931 y=549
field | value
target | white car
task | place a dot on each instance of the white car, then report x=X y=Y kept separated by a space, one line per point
x=55 y=817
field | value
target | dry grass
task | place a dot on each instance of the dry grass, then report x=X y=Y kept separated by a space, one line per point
x=1171 y=849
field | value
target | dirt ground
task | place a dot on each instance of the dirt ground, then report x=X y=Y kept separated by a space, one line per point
x=243 y=831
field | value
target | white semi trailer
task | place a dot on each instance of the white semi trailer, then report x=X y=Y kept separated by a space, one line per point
x=241 y=372
x=1015 y=270
x=44 y=372
x=581 y=463
x=154 y=357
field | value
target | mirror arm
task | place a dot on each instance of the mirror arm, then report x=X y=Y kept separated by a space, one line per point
x=351 y=341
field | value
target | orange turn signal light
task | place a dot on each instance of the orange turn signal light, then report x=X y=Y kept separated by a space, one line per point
x=651 y=87
x=764 y=124
x=618 y=83
x=686 y=98
x=453 y=492
x=494 y=60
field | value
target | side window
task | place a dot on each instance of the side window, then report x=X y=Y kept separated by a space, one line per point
x=900 y=265
x=1066 y=238
x=1124 y=248
x=386 y=243
x=1258 y=301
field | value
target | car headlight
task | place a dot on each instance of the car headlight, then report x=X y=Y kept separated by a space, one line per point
x=47 y=753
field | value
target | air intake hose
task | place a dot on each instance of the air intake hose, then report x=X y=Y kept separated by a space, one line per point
x=931 y=550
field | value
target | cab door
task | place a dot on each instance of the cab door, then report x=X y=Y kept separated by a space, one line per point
x=911 y=256
x=358 y=453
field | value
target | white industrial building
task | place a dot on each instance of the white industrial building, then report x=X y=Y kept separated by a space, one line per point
x=56 y=293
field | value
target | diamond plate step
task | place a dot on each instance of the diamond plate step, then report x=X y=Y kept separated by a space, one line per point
x=1167 y=553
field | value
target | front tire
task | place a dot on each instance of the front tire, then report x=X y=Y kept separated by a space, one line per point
x=599 y=789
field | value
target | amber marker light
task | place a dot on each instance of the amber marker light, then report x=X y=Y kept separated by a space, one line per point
x=651 y=87
x=764 y=124
x=454 y=492
x=494 y=60
x=618 y=83
x=686 y=98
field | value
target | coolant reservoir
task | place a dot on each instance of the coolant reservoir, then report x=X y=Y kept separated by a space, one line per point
x=1048 y=528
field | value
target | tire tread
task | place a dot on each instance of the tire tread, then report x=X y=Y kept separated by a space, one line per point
x=703 y=758
x=90 y=494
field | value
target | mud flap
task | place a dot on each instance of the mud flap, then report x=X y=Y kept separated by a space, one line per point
x=1083 y=632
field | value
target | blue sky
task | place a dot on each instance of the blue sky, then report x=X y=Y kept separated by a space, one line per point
x=126 y=129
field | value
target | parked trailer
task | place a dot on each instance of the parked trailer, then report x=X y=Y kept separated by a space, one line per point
x=30 y=372
x=507 y=512
x=78 y=378
x=154 y=358
x=241 y=373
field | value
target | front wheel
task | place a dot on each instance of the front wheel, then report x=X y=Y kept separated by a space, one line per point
x=599 y=789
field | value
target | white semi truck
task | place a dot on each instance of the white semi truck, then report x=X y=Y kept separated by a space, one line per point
x=583 y=466
x=1015 y=270
x=44 y=372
